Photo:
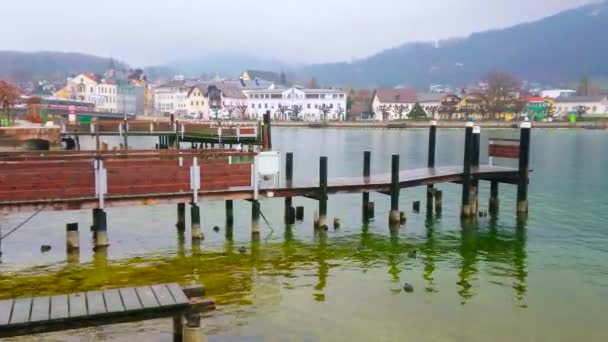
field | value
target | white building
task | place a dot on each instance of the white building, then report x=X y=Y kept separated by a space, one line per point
x=393 y=104
x=89 y=87
x=431 y=103
x=593 y=105
x=555 y=93
x=170 y=97
x=292 y=103
x=105 y=97
x=231 y=103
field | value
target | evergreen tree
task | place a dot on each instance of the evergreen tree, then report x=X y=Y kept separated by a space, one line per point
x=417 y=112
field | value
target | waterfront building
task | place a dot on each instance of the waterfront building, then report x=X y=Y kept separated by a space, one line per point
x=591 y=105
x=268 y=76
x=170 y=97
x=297 y=104
x=430 y=102
x=393 y=104
x=231 y=102
x=555 y=93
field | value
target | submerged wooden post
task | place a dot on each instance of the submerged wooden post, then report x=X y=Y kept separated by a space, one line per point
x=431 y=164
x=494 y=202
x=289 y=218
x=367 y=155
x=229 y=213
x=299 y=213
x=476 y=144
x=255 y=220
x=395 y=216
x=195 y=217
x=192 y=328
x=72 y=237
x=181 y=217
x=125 y=132
x=438 y=202
x=466 y=174
x=524 y=161
x=178 y=328
x=323 y=194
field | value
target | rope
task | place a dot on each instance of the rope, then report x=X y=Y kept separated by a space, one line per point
x=269 y=226
x=24 y=222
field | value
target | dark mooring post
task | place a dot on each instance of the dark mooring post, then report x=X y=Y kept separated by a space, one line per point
x=255 y=220
x=323 y=194
x=125 y=134
x=493 y=205
x=430 y=191
x=289 y=211
x=181 y=217
x=367 y=156
x=475 y=164
x=72 y=237
x=466 y=174
x=524 y=161
x=395 y=216
x=177 y=134
x=195 y=217
x=97 y=142
x=229 y=213
x=268 y=130
x=100 y=229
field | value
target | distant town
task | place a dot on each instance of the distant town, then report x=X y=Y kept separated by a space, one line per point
x=500 y=97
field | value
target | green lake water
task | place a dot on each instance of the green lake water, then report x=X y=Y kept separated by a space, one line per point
x=544 y=278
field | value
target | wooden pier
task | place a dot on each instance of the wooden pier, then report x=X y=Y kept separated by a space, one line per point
x=101 y=179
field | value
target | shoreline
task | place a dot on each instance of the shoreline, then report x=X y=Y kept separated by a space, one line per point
x=441 y=124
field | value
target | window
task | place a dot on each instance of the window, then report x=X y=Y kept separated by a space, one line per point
x=192 y=103
x=91 y=89
x=594 y=109
x=331 y=105
x=253 y=105
x=308 y=106
x=335 y=96
x=341 y=96
x=259 y=105
x=197 y=103
x=265 y=105
x=316 y=106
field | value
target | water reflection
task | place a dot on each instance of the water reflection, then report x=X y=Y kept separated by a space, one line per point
x=229 y=276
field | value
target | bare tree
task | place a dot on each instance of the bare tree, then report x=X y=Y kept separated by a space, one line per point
x=296 y=110
x=400 y=109
x=581 y=110
x=283 y=111
x=501 y=93
x=340 y=112
x=9 y=95
x=242 y=110
x=324 y=109
x=230 y=110
x=385 y=110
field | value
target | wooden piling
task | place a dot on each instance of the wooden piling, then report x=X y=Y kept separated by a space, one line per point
x=367 y=155
x=192 y=328
x=466 y=177
x=524 y=160
x=195 y=217
x=255 y=220
x=289 y=183
x=100 y=229
x=371 y=211
x=337 y=223
x=438 y=202
x=125 y=134
x=229 y=213
x=431 y=164
x=268 y=130
x=323 y=193
x=394 y=216
x=494 y=202
x=476 y=145
x=300 y=213
x=178 y=328
x=181 y=217
x=72 y=238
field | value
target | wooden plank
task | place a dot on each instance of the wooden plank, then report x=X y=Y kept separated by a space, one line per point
x=21 y=310
x=113 y=301
x=163 y=295
x=77 y=304
x=6 y=306
x=95 y=303
x=177 y=293
x=130 y=299
x=146 y=297
x=59 y=307
x=41 y=307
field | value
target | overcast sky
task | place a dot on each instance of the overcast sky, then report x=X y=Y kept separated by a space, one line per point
x=145 y=32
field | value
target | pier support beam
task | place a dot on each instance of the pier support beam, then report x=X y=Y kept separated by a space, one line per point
x=255 y=220
x=430 y=191
x=395 y=216
x=72 y=238
x=438 y=202
x=367 y=156
x=476 y=145
x=494 y=202
x=229 y=213
x=466 y=174
x=192 y=329
x=289 y=215
x=181 y=217
x=100 y=229
x=195 y=217
x=323 y=194
x=524 y=160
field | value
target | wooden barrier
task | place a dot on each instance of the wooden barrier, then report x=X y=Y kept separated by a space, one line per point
x=503 y=148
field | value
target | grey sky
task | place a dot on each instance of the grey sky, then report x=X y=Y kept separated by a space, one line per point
x=144 y=32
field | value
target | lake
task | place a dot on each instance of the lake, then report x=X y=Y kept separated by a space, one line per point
x=544 y=278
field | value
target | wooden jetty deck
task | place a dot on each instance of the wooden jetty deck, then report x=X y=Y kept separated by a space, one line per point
x=99 y=179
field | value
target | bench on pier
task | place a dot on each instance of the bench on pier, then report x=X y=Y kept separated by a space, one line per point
x=26 y=316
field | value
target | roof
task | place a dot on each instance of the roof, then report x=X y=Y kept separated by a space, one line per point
x=535 y=99
x=430 y=97
x=252 y=85
x=307 y=91
x=403 y=95
x=264 y=75
x=91 y=76
x=228 y=89
x=573 y=99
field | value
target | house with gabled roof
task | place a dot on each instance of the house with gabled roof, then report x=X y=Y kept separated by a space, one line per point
x=393 y=104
